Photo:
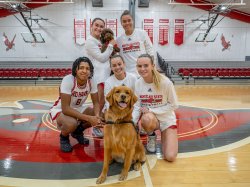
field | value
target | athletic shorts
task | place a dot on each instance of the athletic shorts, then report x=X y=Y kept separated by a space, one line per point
x=101 y=84
x=54 y=113
x=164 y=126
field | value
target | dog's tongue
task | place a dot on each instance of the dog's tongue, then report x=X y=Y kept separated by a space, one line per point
x=122 y=104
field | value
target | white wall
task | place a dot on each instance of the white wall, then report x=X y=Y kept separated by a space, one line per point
x=60 y=46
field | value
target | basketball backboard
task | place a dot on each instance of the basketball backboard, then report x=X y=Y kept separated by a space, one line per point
x=33 y=37
x=204 y=37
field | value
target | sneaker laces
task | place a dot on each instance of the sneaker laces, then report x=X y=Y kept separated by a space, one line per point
x=97 y=132
x=151 y=141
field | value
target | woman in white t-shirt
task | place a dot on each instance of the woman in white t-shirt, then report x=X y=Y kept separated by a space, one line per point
x=154 y=110
x=69 y=112
x=133 y=43
x=119 y=76
x=100 y=61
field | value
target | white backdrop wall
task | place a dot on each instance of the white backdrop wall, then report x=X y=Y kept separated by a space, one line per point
x=58 y=32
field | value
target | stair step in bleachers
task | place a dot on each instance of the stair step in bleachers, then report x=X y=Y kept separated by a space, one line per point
x=214 y=72
x=34 y=73
x=36 y=64
x=208 y=64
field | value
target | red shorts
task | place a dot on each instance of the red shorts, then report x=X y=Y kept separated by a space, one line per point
x=173 y=127
x=101 y=85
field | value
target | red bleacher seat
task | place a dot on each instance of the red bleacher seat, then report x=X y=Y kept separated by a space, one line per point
x=48 y=73
x=22 y=73
x=63 y=73
x=42 y=73
x=186 y=73
x=180 y=70
x=69 y=71
x=6 y=73
x=28 y=73
x=195 y=73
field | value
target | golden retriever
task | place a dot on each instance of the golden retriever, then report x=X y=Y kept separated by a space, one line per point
x=121 y=141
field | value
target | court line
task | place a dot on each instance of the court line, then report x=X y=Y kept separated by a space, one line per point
x=215 y=150
x=200 y=129
x=146 y=176
x=11 y=181
x=206 y=128
x=194 y=106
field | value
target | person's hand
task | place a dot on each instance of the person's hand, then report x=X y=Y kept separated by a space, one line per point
x=96 y=121
x=144 y=110
x=113 y=42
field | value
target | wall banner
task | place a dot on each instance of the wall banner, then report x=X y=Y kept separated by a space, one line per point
x=163 y=31
x=148 y=26
x=112 y=24
x=80 y=31
x=179 y=31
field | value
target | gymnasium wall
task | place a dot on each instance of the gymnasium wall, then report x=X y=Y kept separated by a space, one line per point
x=58 y=32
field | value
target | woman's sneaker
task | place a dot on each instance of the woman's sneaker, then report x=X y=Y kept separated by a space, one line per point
x=78 y=135
x=64 y=144
x=151 y=143
x=97 y=132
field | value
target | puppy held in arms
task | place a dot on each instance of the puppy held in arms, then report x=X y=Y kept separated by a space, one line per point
x=106 y=36
x=121 y=140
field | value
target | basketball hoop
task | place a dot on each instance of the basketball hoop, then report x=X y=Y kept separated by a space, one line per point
x=205 y=43
x=33 y=44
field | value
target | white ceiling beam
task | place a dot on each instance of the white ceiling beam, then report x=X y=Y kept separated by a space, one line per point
x=240 y=3
x=37 y=2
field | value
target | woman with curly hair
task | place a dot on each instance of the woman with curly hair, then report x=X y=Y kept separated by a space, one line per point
x=69 y=112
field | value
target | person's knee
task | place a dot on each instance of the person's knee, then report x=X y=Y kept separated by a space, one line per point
x=170 y=156
x=69 y=126
x=147 y=123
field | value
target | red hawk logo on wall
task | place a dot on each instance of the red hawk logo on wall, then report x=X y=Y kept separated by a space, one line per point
x=8 y=43
x=224 y=43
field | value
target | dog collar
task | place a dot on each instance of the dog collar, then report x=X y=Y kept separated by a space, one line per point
x=135 y=126
x=111 y=122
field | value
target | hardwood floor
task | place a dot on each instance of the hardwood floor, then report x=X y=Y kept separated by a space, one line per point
x=229 y=166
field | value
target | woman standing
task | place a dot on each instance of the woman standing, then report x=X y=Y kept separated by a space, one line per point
x=155 y=107
x=99 y=60
x=133 y=43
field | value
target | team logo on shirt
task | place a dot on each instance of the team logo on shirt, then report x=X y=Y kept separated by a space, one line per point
x=79 y=94
x=151 y=100
x=131 y=47
x=149 y=90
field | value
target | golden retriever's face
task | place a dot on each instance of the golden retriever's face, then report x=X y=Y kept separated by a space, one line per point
x=121 y=97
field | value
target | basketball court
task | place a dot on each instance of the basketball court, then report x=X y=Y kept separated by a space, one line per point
x=213 y=129
x=207 y=39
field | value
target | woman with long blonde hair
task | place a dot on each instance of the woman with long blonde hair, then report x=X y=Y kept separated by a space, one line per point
x=154 y=110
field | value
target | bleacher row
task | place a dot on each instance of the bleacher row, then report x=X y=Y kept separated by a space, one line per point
x=33 y=73
x=214 y=72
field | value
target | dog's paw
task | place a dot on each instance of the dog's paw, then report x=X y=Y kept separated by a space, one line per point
x=137 y=166
x=123 y=177
x=100 y=179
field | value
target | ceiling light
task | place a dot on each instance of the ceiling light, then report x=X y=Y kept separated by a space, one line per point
x=223 y=8
x=14 y=6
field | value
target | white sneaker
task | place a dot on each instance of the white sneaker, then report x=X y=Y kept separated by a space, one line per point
x=151 y=144
x=97 y=133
